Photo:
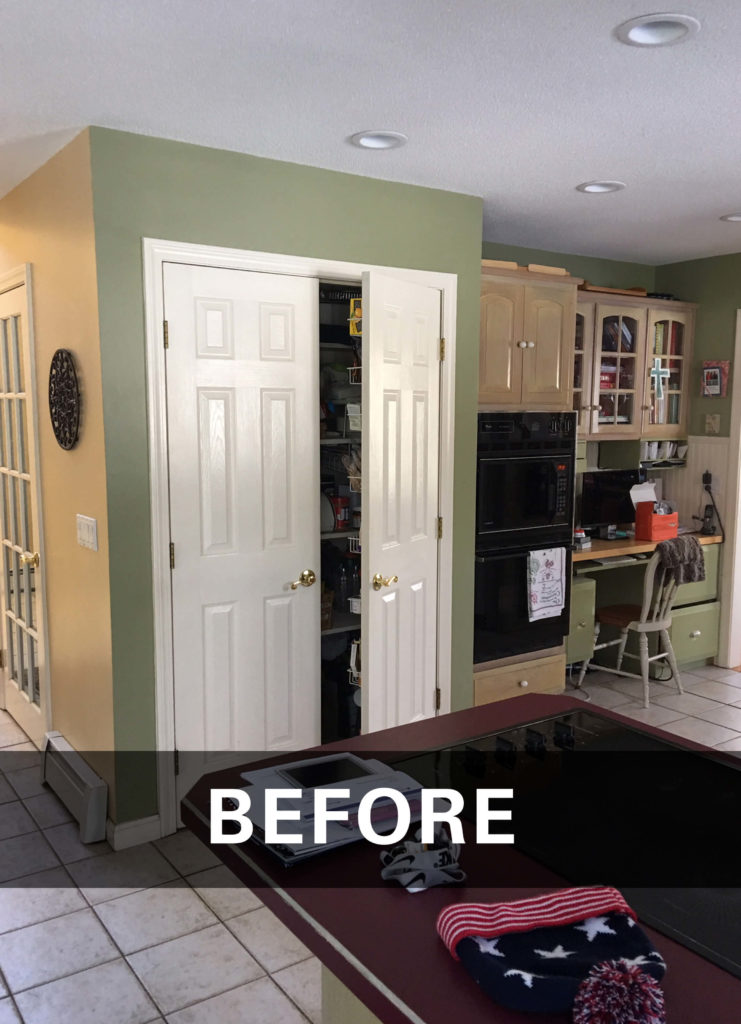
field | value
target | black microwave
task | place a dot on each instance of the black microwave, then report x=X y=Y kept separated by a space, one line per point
x=524 y=479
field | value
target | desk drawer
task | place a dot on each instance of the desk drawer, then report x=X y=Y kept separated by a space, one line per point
x=541 y=675
x=580 y=641
x=694 y=593
x=694 y=632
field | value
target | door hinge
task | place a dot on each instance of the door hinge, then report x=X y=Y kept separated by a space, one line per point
x=172 y=555
x=439 y=527
x=166 y=333
x=442 y=349
x=177 y=761
x=437 y=698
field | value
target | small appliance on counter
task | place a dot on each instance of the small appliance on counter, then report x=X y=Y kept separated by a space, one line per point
x=524 y=504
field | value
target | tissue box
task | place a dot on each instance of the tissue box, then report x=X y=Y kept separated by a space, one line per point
x=650 y=526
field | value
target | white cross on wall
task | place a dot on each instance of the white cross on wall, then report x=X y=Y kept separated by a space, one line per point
x=659 y=374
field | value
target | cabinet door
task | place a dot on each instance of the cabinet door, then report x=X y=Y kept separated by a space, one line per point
x=500 y=357
x=582 y=401
x=618 y=368
x=667 y=364
x=548 y=332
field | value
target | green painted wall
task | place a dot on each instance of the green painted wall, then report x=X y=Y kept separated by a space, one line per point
x=145 y=187
x=715 y=283
x=606 y=273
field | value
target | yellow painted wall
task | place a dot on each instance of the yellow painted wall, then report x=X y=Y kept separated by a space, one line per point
x=47 y=221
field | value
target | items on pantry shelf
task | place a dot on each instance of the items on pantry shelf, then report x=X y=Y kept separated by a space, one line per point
x=353 y=464
x=578 y=950
x=356 y=317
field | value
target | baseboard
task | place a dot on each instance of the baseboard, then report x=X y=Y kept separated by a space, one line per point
x=125 y=834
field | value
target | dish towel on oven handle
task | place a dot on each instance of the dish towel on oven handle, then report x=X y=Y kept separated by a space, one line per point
x=546 y=583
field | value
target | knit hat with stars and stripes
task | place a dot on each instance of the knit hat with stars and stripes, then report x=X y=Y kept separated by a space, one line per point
x=575 y=949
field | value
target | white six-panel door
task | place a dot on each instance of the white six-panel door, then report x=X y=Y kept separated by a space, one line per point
x=242 y=391
x=401 y=387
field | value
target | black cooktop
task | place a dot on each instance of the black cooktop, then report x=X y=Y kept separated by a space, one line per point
x=599 y=801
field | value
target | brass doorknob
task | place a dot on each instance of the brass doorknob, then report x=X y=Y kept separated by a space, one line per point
x=306 y=579
x=32 y=559
x=383 y=581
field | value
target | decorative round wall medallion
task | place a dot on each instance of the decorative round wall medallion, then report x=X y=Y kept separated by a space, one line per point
x=64 y=398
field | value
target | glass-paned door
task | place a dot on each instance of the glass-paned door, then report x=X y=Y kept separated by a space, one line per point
x=618 y=370
x=664 y=409
x=22 y=589
x=583 y=348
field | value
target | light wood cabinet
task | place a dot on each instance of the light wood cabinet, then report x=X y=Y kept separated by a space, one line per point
x=540 y=675
x=631 y=381
x=527 y=341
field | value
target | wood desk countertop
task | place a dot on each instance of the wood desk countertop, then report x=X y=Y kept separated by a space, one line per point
x=381 y=942
x=630 y=546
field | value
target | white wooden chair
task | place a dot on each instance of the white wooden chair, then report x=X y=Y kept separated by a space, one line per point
x=654 y=616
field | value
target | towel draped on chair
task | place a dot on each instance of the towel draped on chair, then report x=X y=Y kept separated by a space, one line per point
x=684 y=557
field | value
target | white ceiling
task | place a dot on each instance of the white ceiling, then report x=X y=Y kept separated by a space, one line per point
x=514 y=100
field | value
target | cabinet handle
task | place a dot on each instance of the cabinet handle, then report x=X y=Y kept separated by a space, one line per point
x=524 y=682
x=695 y=633
x=645 y=408
x=582 y=625
x=531 y=344
x=522 y=344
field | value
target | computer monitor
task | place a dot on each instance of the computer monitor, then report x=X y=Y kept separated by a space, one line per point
x=605 y=497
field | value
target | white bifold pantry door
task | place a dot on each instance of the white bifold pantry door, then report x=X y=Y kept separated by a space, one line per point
x=401 y=394
x=243 y=426
x=243 y=441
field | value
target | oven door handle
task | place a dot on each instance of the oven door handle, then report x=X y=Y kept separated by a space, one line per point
x=522 y=553
x=483 y=559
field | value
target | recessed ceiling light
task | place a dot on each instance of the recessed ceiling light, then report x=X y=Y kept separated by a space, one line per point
x=657 y=29
x=731 y=216
x=378 y=139
x=600 y=186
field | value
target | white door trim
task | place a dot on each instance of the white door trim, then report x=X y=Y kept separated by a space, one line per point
x=155 y=253
x=10 y=279
x=729 y=645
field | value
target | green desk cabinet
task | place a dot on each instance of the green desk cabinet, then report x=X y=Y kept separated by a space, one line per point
x=580 y=640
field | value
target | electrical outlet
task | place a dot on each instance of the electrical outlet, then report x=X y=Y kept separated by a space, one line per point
x=712 y=423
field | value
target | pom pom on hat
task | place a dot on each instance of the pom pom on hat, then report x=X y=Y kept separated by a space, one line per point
x=616 y=992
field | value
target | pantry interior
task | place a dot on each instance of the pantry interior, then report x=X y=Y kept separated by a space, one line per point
x=340 y=382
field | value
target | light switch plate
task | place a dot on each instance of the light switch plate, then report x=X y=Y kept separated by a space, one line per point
x=87 y=532
x=712 y=423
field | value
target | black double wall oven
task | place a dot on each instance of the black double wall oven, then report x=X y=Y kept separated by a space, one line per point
x=524 y=502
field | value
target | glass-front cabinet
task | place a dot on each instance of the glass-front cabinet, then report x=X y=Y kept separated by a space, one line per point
x=617 y=371
x=666 y=386
x=632 y=360
x=583 y=348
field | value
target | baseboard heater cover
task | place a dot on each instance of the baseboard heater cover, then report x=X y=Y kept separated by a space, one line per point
x=81 y=790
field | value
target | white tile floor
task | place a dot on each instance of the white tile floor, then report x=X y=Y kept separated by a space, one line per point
x=88 y=944
x=92 y=945
x=709 y=711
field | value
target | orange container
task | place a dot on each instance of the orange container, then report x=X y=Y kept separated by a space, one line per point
x=649 y=526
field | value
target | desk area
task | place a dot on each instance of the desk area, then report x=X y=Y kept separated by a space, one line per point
x=599 y=581
x=628 y=546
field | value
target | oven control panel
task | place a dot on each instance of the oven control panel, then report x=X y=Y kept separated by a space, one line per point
x=562 y=487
